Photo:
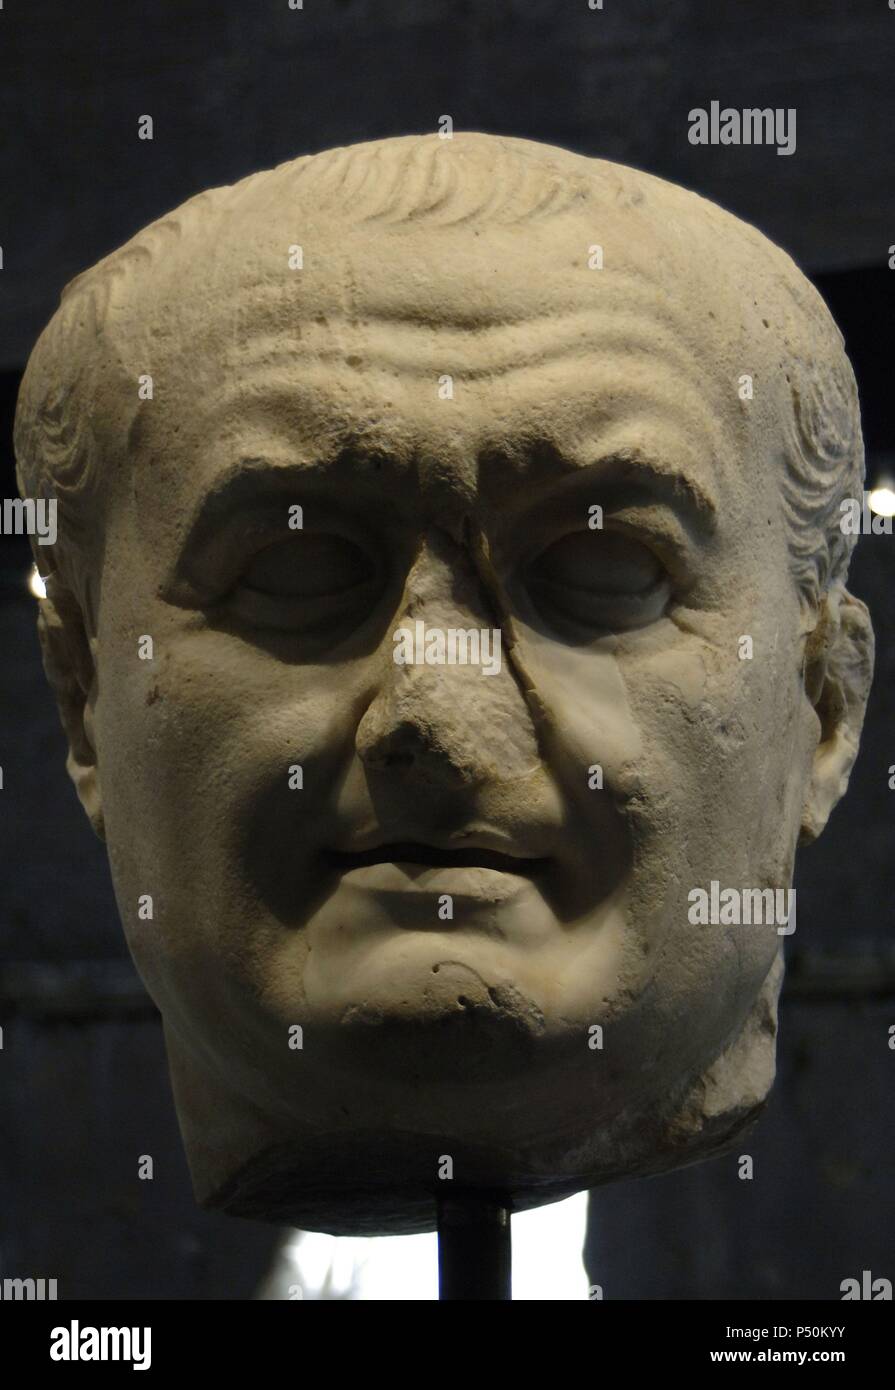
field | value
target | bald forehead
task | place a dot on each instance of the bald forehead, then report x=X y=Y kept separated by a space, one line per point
x=470 y=301
x=410 y=268
x=443 y=346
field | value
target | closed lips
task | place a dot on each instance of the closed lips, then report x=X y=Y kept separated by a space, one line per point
x=412 y=852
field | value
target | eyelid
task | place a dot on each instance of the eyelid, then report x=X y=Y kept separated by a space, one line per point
x=370 y=563
x=648 y=520
x=569 y=607
x=288 y=613
x=209 y=576
x=609 y=613
x=316 y=525
x=669 y=547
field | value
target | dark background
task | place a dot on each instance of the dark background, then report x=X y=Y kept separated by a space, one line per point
x=236 y=86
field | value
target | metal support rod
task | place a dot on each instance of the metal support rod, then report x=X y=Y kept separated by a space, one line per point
x=474 y=1254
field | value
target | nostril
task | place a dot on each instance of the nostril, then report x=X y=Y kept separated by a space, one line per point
x=396 y=760
x=435 y=746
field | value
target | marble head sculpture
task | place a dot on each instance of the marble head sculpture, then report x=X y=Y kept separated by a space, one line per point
x=449 y=595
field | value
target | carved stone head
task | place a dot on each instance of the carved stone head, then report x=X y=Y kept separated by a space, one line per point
x=448 y=623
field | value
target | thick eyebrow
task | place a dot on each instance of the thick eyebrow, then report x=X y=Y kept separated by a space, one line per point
x=546 y=464
x=664 y=477
x=255 y=483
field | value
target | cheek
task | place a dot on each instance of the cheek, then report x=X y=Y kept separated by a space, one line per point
x=722 y=774
x=217 y=762
x=721 y=741
x=216 y=717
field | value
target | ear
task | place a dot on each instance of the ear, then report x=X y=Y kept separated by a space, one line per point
x=838 y=672
x=68 y=659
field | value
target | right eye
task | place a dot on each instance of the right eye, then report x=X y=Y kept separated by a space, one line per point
x=306 y=581
x=308 y=565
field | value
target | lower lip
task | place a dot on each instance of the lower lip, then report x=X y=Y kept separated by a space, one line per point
x=478 y=884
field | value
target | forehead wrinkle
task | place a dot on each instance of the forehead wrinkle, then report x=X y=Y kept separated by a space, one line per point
x=431 y=348
x=287 y=385
x=642 y=422
x=463 y=282
x=434 y=454
x=297 y=422
x=323 y=403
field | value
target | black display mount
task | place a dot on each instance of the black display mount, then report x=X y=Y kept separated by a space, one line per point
x=474 y=1250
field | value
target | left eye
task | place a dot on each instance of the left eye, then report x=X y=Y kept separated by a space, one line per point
x=601 y=579
x=308 y=566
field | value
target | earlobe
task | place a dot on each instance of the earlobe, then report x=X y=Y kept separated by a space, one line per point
x=85 y=775
x=838 y=673
x=68 y=661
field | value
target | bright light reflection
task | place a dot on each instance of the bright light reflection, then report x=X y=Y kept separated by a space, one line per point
x=547 y=1261
x=882 y=500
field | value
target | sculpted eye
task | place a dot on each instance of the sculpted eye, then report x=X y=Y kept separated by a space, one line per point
x=312 y=583
x=601 y=579
x=599 y=561
x=308 y=566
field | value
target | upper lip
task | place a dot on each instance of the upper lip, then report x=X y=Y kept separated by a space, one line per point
x=475 y=849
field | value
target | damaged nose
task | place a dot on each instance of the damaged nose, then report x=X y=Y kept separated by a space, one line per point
x=449 y=704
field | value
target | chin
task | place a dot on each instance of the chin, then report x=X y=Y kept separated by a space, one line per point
x=458 y=1031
